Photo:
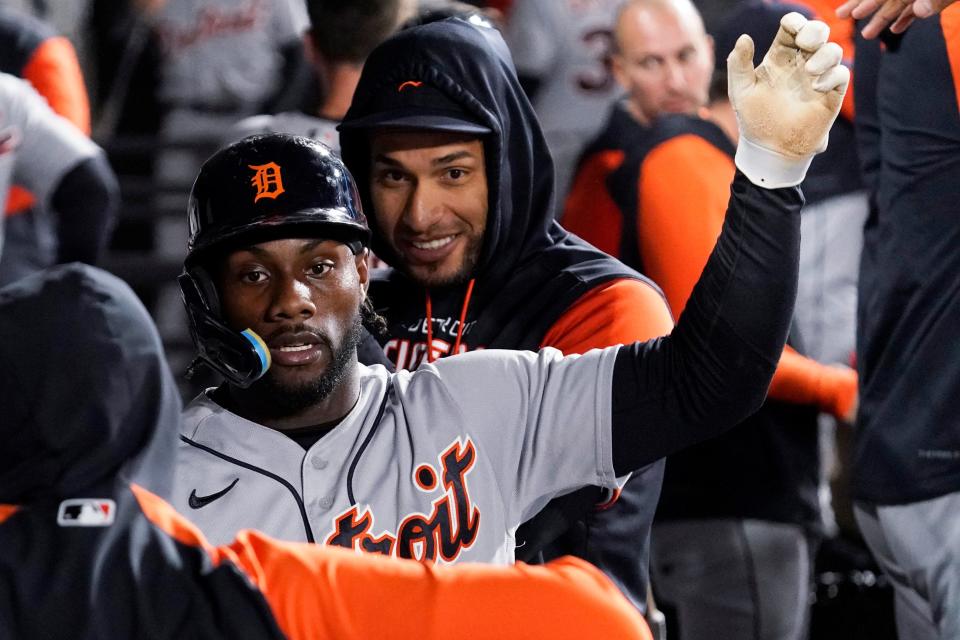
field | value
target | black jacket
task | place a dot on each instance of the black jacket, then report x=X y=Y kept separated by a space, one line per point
x=908 y=437
x=91 y=341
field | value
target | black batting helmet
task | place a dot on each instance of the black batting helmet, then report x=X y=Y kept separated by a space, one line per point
x=262 y=188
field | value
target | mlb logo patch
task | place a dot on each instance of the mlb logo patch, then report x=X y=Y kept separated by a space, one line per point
x=86 y=512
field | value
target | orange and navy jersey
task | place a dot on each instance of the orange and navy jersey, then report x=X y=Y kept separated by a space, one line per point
x=908 y=439
x=130 y=566
x=31 y=50
x=668 y=196
x=643 y=194
x=661 y=208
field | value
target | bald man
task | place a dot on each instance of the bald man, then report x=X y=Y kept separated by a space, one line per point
x=663 y=58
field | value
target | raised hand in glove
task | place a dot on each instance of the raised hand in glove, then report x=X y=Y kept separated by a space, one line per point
x=786 y=106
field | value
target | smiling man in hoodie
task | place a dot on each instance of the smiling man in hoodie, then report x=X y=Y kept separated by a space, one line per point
x=459 y=183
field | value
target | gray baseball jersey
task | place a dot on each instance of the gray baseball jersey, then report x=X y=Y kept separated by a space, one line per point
x=293 y=122
x=37 y=147
x=566 y=44
x=225 y=53
x=442 y=463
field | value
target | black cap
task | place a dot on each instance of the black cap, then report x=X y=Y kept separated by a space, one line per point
x=414 y=104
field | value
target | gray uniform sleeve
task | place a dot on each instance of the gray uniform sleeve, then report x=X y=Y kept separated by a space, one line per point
x=531 y=37
x=290 y=21
x=543 y=418
x=49 y=146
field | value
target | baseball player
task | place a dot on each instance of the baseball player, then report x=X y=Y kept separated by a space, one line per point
x=30 y=49
x=87 y=552
x=63 y=169
x=443 y=463
x=562 y=52
x=340 y=38
x=906 y=455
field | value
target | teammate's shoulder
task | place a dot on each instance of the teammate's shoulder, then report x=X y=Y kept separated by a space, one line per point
x=481 y=361
x=675 y=125
x=620 y=131
x=202 y=407
x=622 y=294
x=12 y=85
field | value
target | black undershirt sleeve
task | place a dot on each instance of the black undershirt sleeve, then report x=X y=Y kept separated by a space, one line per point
x=86 y=203
x=714 y=369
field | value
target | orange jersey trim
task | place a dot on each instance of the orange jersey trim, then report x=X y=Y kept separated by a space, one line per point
x=167 y=519
x=950 y=23
x=318 y=592
x=800 y=380
x=684 y=187
x=7 y=510
x=19 y=200
x=589 y=211
x=54 y=72
x=618 y=312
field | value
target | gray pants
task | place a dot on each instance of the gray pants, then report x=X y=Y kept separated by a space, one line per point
x=918 y=546
x=831 y=234
x=733 y=579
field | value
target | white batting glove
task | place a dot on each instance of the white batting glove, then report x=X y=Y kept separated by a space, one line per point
x=786 y=106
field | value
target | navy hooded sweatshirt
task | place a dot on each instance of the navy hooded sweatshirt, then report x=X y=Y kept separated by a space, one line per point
x=70 y=463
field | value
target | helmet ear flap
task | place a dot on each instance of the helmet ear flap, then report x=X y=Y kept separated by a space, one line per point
x=239 y=356
x=207 y=289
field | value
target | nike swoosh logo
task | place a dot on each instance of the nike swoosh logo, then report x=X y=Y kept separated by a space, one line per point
x=196 y=501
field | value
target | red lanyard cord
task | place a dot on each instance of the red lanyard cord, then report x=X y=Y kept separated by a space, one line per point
x=463 y=317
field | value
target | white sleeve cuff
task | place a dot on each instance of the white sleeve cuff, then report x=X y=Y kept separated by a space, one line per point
x=769 y=169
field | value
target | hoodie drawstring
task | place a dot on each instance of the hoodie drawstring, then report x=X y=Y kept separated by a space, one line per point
x=463 y=317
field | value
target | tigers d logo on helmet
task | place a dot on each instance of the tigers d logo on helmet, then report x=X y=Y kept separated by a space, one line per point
x=267 y=180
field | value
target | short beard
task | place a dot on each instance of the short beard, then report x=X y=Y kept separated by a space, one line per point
x=278 y=400
x=470 y=259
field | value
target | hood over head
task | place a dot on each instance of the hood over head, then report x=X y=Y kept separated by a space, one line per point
x=454 y=75
x=88 y=399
